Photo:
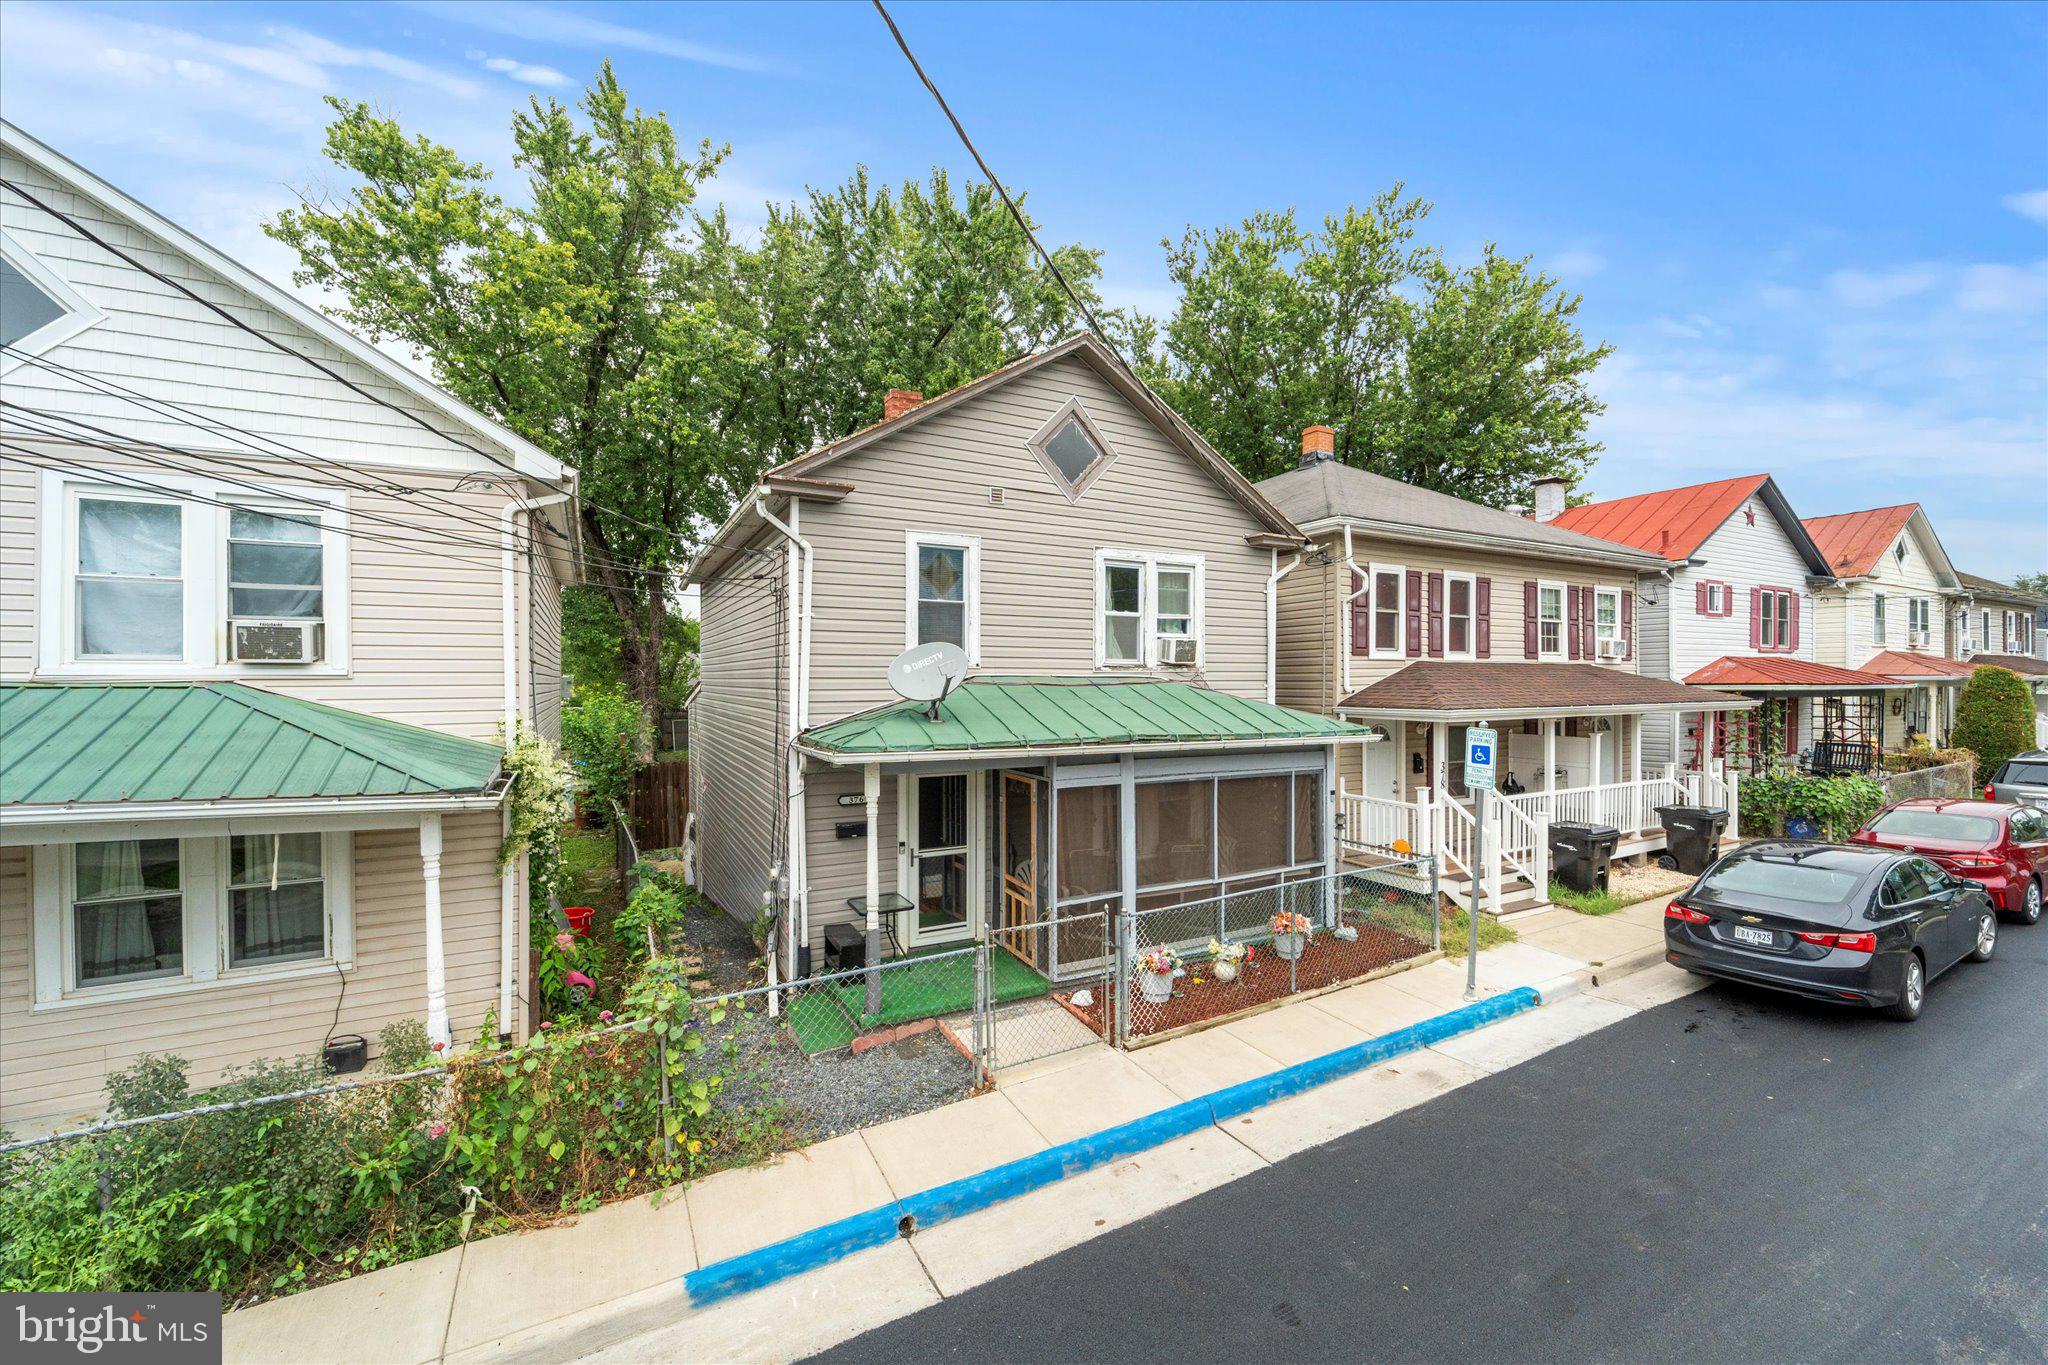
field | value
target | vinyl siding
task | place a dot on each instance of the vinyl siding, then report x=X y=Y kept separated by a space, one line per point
x=1898 y=582
x=543 y=637
x=838 y=868
x=156 y=340
x=425 y=610
x=54 y=1063
x=1653 y=658
x=1744 y=556
x=1307 y=636
x=1037 y=592
x=738 y=725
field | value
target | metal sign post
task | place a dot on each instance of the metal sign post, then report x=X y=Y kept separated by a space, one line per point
x=1482 y=744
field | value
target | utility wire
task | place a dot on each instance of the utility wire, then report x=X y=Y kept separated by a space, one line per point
x=410 y=416
x=269 y=447
x=36 y=422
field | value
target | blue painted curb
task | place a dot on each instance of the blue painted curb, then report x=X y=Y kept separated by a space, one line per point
x=835 y=1241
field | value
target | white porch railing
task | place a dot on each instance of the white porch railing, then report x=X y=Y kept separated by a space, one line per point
x=1455 y=829
x=1630 y=807
x=1523 y=838
x=1377 y=822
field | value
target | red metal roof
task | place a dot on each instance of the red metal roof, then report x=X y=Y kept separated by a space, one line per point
x=1852 y=541
x=1770 y=670
x=1673 y=523
x=1897 y=664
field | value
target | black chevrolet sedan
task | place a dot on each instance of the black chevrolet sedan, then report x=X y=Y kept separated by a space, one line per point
x=1854 y=924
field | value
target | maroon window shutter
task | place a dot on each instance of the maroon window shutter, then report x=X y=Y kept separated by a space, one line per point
x=1756 y=618
x=1572 y=619
x=1414 y=613
x=1436 y=615
x=1587 y=605
x=1792 y=636
x=1699 y=598
x=1628 y=624
x=1529 y=620
x=1482 y=619
x=1791 y=725
x=1361 y=617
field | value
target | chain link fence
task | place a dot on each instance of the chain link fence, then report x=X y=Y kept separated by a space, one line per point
x=1186 y=966
x=1950 y=780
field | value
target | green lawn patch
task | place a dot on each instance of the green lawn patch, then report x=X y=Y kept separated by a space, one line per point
x=1412 y=919
x=1586 y=902
x=827 y=1017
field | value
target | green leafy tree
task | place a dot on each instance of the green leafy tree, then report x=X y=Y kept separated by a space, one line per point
x=609 y=739
x=1994 y=718
x=601 y=315
x=1474 y=381
x=593 y=644
x=2033 y=582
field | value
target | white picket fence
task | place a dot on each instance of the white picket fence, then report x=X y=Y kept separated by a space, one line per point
x=1519 y=828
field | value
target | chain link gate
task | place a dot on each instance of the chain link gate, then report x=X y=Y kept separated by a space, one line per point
x=1040 y=988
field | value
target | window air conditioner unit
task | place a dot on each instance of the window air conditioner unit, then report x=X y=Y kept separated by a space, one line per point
x=1177 y=649
x=255 y=641
x=1613 y=649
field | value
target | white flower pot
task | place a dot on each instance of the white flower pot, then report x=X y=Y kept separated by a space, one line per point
x=1155 y=987
x=1223 y=969
x=1289 y=946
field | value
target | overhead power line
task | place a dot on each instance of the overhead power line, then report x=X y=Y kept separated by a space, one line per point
x=181 y=287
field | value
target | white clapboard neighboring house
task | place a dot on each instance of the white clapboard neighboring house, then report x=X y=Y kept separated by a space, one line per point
x=267 y=598
x=1886 y=612
x=1739 y=609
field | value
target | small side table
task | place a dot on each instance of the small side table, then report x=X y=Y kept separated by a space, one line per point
x=888 y=906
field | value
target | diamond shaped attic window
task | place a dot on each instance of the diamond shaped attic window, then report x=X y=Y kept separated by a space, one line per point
x=37 y=308
x=1072 y=449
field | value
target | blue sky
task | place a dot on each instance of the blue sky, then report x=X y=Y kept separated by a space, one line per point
x=1818 y=237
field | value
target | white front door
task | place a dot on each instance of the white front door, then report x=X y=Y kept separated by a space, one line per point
x=943 y=842
x=1383 y=768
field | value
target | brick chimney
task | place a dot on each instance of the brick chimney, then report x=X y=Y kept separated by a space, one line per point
x=1317 y=443
x=896 y=402
x=1549 y=499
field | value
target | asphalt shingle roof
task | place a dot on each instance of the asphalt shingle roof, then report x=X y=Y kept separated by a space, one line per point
x=1449 y=686
x=1326 y=489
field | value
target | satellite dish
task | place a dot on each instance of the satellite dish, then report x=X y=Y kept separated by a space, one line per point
x=928 y=673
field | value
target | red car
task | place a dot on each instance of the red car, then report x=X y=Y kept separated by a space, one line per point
x=2003 y=848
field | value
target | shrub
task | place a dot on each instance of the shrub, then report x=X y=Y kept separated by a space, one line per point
x=1994 y=718
x=657 y=904
x=609 y=740
x=1839 y=804
x=402 y=1046
x=1923 y=755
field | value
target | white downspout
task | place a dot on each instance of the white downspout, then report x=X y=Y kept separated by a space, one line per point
x=508 y=880
x=1273 y=622
x=802 y=557
x=1351 y=595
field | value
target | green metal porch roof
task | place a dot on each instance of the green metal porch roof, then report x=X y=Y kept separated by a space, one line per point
x=1060 y=713
x=69 y=744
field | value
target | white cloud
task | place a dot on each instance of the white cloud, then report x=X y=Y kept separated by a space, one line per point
x=1875 y=289
x=528 y=72
x=2032 y=203
x=1577 y=264
x=323 y=53
x=2004 y=288
x=545 y=24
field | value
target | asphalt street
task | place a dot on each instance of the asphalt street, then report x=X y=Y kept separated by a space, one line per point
x=1733 y=1176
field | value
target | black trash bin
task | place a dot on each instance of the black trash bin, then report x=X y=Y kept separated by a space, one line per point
x=1580 y=853
x=1691 y=836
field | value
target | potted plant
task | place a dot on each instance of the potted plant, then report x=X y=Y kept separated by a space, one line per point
x=1290 y=934
x=1156 y=968
x=1227 y=959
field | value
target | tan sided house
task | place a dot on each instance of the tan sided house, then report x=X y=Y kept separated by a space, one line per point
x=1115 y=746
x=267 y=600
x=1418 y=614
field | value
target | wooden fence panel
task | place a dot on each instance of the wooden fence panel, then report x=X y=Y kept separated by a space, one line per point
x=661 y=803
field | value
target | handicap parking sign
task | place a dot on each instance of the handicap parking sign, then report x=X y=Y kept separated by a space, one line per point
x=1480 y=746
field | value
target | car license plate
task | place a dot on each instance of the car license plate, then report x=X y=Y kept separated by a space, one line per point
x=1762 y=938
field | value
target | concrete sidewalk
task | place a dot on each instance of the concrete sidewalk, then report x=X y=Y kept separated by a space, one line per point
x=613 y=1274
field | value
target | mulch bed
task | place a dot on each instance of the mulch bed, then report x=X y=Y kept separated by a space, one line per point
x=1199 y=998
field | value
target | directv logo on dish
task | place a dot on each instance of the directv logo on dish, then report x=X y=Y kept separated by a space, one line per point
x=165 y=1328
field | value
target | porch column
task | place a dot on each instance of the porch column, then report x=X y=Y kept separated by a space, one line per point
x=437 y=962
x=1127 y=878
x=1550 y=766
x=1639 y=811
x=1599 y=787
x=1439 y=756
x=871 y=778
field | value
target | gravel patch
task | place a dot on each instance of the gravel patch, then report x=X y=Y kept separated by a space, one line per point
x=1641 y=883
x=719 y=952
x=833 y=1092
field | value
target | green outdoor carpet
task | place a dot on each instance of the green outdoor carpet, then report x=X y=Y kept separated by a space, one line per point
x=831 y=1016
